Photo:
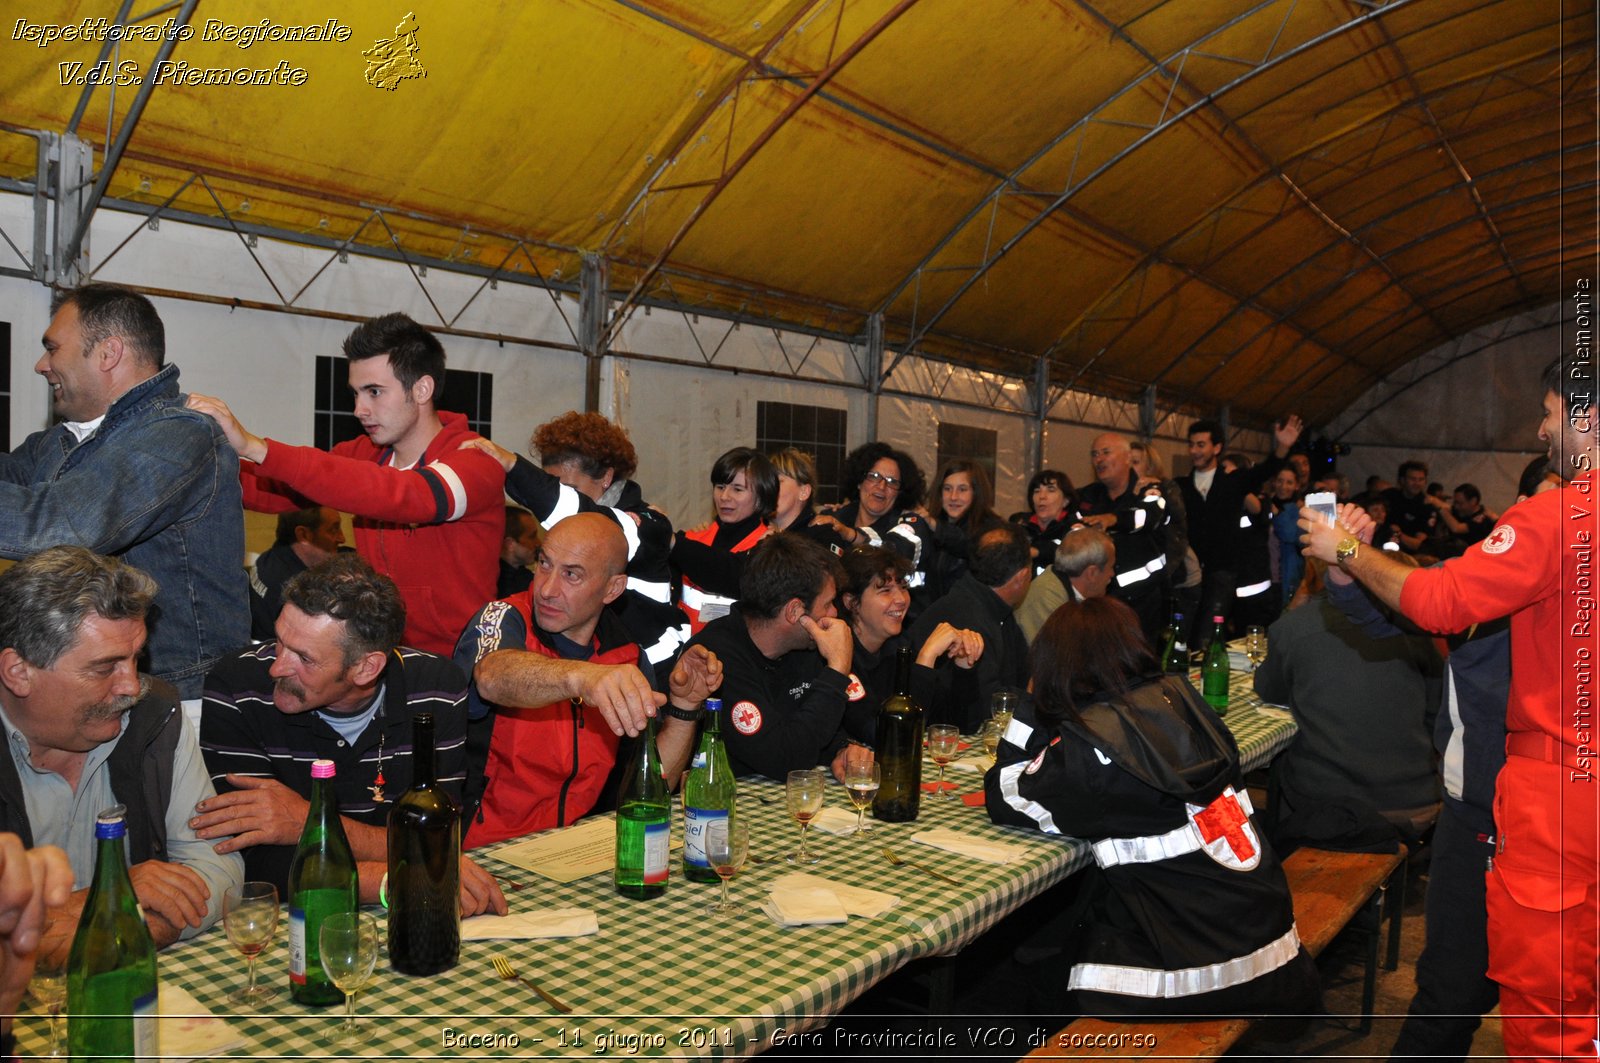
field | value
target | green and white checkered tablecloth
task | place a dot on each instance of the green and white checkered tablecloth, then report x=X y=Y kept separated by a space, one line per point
x=663 y=977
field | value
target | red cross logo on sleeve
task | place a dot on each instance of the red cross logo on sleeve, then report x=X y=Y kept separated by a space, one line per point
x=1223 y=818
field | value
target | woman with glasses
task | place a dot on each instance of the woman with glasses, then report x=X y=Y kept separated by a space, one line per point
x=1186 y=910
x=883 y=488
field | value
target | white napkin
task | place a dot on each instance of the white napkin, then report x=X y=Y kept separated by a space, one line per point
x=546 y=923
x=804 y=906
x=188 y=1030
x=956 y=842
x=857 y=900
x=834 y=821
x=979 y=762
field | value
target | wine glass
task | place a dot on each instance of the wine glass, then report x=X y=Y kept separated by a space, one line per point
x=1255 y=645
x=349 y=944
x=250 y=918
x=48 y=986
x=727 y=844
x=943 y=739
x=861 y=783
x=1002 y=706
x=992 y=733
x=803 y=795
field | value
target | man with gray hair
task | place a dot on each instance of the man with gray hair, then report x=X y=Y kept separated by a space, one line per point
x=1084 y=566
x=130 y=473
x=86 y=731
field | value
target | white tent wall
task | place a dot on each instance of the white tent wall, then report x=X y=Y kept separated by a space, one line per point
x=1480 y=393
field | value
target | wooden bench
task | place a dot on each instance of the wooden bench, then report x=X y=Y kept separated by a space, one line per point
x=1331 y=891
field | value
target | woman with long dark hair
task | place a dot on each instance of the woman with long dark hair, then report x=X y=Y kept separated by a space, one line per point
x=1187 y=910
x=963 y=505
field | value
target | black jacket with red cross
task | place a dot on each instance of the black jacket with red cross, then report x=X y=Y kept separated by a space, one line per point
x=1188 y=911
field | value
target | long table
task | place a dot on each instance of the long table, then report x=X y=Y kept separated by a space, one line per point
x=664 y=978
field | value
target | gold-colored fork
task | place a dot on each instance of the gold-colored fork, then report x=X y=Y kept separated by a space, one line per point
x=503 y=968
x=897 y=861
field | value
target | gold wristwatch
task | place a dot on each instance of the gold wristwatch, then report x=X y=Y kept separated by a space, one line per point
x=1346 y=551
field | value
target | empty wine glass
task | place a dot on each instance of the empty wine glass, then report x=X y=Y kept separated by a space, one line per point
x=250 y=919
x=803 y=794
x=1255 y=645
x=943 y=740
x=727 y=844
x=1002 y=706
x=48 y=986
x=861 y=783
x=349 y=944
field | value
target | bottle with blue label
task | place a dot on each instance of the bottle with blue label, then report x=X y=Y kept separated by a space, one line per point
x=708 y=793
x=111 y=970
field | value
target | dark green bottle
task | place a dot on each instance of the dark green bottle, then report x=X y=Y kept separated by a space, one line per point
x=424 y=866
x=322 y=881
x=1175 y=647
x=644 y=816
x=111 y=970
x=1214 y=673
x=899 y=749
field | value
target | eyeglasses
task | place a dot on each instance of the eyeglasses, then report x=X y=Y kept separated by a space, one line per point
x=877 y=477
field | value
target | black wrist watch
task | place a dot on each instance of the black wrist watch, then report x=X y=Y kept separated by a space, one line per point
x=686 y=715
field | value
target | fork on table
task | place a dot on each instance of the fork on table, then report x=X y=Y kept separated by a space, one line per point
x=503 y=968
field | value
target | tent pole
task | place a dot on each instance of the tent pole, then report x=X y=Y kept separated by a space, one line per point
x=592 y=307
x=874 y=373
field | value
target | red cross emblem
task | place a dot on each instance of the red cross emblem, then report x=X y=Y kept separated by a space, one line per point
x=1223 y=818
x=746 y=718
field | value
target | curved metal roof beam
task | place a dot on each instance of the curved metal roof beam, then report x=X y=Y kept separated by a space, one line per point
x=622 y=310
x=1207 y=101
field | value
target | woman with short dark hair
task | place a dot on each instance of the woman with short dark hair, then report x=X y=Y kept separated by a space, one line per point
x=1051 y=499
x=744 y=494
x=1187 y=910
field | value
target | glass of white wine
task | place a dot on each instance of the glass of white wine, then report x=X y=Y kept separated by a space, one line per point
x=861 y=783
x=349 y=944
x=1255 y=645
x=1003 y=706
x=727 y=844
x=803 y=795
x=943 y=741
x=48 y=986
x=992 y=733
x=250 y=919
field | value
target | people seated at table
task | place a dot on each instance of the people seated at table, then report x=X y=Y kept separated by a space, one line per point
x=587 y=466
x=335 y=684
x=797 y=484
x=1084 y=566
x=1364 y=705
x=883 y=488
x=875 y=598
x=428 y=514
x=982 y=600
x=564 y=683
x=1050 y=518
x=86 y=731
x=963 y=509
x=786 y=659
x=517 y=551
x=744 y=494
x=1186 y=910
x=305 y=538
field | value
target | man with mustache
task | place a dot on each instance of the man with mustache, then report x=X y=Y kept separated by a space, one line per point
x=336 y=684
x=428 y=514
x=87 y=731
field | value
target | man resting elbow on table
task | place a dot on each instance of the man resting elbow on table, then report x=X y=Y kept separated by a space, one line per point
x=786 y=658
x=336 y=684
x=561 y=676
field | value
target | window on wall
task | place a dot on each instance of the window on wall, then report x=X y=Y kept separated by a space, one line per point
x=465 y=392
x=965 y=441
x=817 y=430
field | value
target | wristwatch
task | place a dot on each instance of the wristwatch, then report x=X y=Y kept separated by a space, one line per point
x=1346 y=551
x=686 y=715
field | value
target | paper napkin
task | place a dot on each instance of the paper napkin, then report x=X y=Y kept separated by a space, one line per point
x=804 y=906
x=188 y=1030
x=518 y=926
x=857 y=900
x=977 y=848
x=834 y=821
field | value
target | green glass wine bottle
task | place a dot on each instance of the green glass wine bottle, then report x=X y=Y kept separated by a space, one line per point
x=644 y=816
x=1214 y=673
x=322 y=881
x=111 y=970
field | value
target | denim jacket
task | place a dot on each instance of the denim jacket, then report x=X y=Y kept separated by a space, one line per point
x=157 y=485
